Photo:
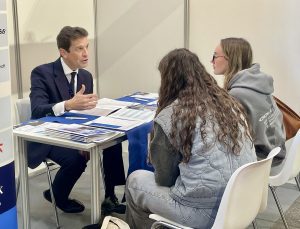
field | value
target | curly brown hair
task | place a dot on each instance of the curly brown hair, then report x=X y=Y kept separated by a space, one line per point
x=184 y=78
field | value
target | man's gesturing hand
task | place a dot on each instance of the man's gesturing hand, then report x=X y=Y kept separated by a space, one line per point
x=81 y=101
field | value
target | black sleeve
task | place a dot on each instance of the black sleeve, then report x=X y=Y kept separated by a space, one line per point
x=164 y=157
x=39 y=96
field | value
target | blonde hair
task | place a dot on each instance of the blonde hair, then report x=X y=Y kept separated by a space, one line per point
x=238 y=52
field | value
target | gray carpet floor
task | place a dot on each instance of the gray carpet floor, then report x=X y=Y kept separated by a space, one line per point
x=292 y=216
x=42 y=215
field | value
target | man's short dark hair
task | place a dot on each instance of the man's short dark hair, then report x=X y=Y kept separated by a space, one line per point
x=68 y=34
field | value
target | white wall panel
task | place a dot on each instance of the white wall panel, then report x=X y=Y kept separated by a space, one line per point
x=272 y=28
x=39 y=23
x=4 y=65
x=3 y=30
x=2 y=5
x=132 y=40
x=8 y=211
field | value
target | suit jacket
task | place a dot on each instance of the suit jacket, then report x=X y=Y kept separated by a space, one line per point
x=49 y=86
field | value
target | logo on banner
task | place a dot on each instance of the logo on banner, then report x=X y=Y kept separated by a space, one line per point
x=2 y=66
x=1 y=147
x=2 y=31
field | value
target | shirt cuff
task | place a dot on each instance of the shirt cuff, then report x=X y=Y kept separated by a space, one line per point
x=59 y=108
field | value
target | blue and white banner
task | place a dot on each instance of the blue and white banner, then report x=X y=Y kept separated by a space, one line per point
x=8 y=211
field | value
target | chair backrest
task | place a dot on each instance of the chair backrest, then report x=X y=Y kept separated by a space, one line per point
x=242 y=198
x=291 y=167
x=23 y=110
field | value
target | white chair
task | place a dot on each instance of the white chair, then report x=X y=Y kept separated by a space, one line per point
x=243 y=197
x=23 y=114
x=290 y=170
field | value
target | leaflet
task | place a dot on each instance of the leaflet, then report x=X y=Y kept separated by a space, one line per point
x=145 y=95
x=115 y=123
x=144 y=115
x=105 y=107
x=34 y=126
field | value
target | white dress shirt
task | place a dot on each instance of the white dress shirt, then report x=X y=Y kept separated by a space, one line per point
x=59 y=108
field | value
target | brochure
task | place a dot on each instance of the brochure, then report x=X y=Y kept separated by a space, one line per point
x=34 y=126
x=135 y=113
x=105 y=107
x=115 y=123
x=145 y=95
x=78 y=132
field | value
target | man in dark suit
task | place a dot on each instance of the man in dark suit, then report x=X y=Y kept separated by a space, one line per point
x=58 y=87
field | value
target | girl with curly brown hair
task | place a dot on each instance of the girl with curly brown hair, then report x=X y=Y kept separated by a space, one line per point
x=200 y=138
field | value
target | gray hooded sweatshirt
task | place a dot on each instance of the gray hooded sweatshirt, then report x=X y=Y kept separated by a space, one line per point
x=254 y=89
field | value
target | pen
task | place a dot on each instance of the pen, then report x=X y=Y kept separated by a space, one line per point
x=142 y=99
x=75 y=118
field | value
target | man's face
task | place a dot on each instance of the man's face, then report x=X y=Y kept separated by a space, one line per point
x=77 y=56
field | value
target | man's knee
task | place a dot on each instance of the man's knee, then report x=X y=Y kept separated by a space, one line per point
x=76 y=162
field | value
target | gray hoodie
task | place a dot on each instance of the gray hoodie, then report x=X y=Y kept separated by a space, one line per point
x=254 y=89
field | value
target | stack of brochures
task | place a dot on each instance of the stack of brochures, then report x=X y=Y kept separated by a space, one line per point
x=79 y=133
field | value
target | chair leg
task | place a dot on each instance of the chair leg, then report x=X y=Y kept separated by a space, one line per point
x=254 y=224
x=297 y=181
x=278 y=205
x=17 y=187
x=52 y=195
x=102 y=170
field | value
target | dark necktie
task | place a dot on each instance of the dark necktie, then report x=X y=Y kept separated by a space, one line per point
x=71 y=86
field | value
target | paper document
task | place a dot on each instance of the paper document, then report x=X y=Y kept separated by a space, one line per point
x=144 y=115
x=115 y=123
x=32 y=127
x=104 y=107
x=153 y=103
x=145 y=95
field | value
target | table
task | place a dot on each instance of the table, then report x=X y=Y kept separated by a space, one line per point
x=96 y=164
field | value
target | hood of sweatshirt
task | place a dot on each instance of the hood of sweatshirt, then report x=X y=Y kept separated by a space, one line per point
x=252 y=78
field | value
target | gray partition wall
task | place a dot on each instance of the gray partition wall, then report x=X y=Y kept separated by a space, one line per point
x=132 y=37
x=39 y=21
x=272 y=28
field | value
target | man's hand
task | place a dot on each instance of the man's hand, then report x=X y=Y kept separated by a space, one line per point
x=81 y=101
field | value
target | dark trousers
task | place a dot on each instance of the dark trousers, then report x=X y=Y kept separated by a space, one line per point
x=73 y=165
x=113 y=168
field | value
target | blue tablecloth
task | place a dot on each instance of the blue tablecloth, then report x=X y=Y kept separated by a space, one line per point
x=135 y=100
x=138 y=140
x=138 y=147
x=63 y=119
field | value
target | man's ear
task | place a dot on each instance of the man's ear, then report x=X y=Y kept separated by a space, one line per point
x=62 y=52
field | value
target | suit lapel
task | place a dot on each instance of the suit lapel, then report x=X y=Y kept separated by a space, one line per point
x=61 y=80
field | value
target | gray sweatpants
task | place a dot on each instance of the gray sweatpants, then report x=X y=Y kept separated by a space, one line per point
x=144 y=196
